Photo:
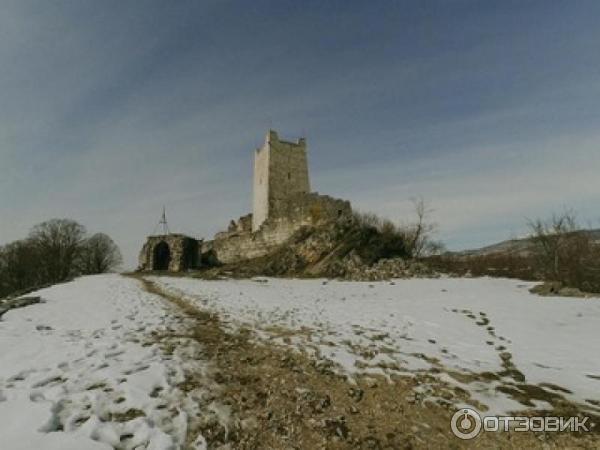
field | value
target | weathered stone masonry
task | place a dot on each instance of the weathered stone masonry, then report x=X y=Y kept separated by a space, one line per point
x=171 y=252
x=282 y=204
x=280 y=172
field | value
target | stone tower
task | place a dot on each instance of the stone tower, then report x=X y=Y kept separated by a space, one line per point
x=280 y=173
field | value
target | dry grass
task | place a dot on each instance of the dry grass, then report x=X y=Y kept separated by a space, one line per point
x=288 y=400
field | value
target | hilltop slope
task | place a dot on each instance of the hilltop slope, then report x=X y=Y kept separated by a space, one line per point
x=518 y=247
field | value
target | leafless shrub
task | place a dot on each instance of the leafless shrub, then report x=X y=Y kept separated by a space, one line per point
x=99 y=254
x=374 y=238
x=367 y=219
x=416 y=237
x=562 y=251
x=419 y=234
x=565 y=251
x=553 y=237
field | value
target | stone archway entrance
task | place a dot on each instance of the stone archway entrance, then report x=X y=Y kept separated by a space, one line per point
x=161 y=257
x=171 y=252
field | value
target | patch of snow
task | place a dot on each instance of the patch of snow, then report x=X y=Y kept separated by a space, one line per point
x=75 y=372
x=463 y=325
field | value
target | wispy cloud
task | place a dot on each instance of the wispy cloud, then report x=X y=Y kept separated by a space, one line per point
x=110 y=110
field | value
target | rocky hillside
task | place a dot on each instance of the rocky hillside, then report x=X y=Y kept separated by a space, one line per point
x=348 y=251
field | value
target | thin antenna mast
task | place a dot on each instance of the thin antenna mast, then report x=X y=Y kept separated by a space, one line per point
x=163 y=223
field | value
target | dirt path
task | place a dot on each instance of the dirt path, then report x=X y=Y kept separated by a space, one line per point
x=280 y=399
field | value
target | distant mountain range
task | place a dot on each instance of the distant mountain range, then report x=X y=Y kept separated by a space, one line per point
x=520 y=247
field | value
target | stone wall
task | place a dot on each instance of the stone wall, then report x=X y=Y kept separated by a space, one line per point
x=314 y=208
x=244 y=223
x=172 y=252
x=288 y=174
x=282 y=204
x=233 y=247
x=302 y=210
x=280 y=172
x=260 y=188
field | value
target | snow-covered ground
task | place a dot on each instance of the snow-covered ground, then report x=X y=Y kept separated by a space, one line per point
x=76 y=368
x=82 y=371
x=464 y=325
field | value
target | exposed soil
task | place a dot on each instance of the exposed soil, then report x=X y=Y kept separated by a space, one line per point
x=283 y=399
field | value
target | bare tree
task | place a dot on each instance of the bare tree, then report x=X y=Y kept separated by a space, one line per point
x=553 y=238
x=54 y=251
x=16 y=262
x=99 y=254
x=419 y=234
x=57 y=243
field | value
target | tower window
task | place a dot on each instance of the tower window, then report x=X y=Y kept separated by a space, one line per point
x=289 y=175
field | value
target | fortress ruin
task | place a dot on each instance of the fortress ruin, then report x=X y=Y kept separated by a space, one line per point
x=282 y=204
x=280 y=173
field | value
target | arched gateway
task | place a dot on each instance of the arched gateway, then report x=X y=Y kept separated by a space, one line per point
x=172 y=252
x=161 y=256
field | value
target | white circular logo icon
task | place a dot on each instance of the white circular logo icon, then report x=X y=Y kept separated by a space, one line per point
x=466 y=423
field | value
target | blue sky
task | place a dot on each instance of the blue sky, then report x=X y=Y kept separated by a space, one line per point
x=110 y=109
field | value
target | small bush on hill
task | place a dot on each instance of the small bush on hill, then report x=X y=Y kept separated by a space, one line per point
x=374 y=238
